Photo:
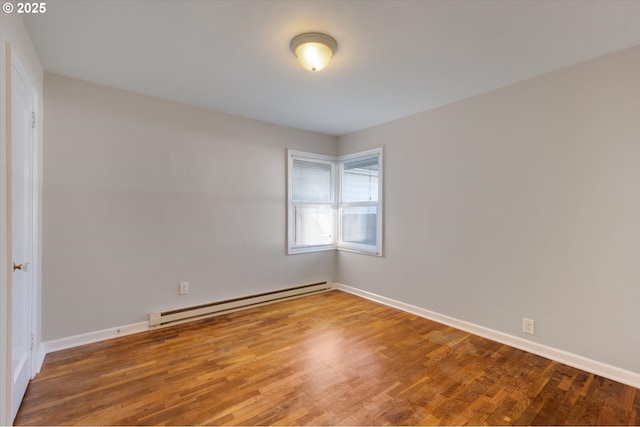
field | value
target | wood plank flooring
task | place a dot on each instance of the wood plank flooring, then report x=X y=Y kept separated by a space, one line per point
x=328 y=359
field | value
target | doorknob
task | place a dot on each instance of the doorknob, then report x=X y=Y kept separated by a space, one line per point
x=21 y=267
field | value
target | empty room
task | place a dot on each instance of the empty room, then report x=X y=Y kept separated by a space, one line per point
x=259 y=212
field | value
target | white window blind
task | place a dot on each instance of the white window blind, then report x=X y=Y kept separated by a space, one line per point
x=311 y=181
x=312 y=225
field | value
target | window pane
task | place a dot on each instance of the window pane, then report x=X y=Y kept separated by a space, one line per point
x=359 y=225
x=313 y=225
x=311 y=181
x=360 y=181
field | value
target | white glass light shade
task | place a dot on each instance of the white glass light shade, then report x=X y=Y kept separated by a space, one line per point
x=313 y=50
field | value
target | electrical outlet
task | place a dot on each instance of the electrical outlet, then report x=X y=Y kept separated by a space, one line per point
x=183 y=288
x=528 y=326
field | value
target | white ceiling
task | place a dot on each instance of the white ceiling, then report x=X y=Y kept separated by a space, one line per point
x=394 y=58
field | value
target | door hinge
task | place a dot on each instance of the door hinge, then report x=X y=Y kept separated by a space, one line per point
x=33 y=119
x=33 y=342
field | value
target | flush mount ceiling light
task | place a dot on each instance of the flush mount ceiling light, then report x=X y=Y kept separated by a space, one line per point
x=313 y=50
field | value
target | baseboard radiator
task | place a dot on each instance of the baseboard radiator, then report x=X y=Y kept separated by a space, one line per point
x=161 y=319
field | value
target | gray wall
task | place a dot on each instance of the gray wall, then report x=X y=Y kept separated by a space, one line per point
x=141 y=194
x=524 y=201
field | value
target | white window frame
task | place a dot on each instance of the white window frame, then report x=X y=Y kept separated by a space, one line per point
x=314 y=158
x=354 y=247
x=337 y=168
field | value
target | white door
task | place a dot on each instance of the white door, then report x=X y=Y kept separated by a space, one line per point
x=22 y=238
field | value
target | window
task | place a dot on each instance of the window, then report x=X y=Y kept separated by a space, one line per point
x=359 y=202
x=311 y=204
x=335 y=203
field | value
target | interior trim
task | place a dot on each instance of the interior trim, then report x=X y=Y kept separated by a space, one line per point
x=593 y=366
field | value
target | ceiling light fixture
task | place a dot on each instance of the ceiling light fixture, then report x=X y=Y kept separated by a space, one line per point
x=313 y=50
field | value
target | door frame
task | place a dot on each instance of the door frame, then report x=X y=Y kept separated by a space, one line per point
x=34 y=204
x=5 y=247
x=12 y=64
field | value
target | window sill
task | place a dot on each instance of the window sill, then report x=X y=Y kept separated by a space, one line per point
x=357 y=251
x=331 y=248
x=307 y=249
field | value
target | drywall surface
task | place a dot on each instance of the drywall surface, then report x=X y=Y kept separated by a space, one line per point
x=142 y=194
x=521 y=202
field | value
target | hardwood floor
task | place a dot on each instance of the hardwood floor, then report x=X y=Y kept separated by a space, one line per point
x=328 y=359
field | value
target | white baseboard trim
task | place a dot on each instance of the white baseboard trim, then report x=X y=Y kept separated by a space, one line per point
x=608 y=371
x=40 y=357
x=91 y=337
